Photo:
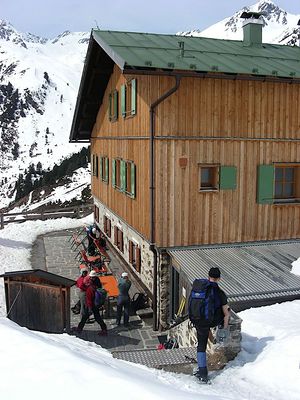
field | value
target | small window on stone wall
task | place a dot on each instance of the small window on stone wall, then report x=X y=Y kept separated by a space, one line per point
x=135 y=256
x=96 y=213
x=107 y=226
x=118 y=239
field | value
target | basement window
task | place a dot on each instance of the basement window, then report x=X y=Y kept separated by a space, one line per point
x=134 y=255
x=107 y=226
x=118 y=239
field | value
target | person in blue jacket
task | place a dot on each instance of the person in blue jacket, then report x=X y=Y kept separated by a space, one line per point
x=123 y=300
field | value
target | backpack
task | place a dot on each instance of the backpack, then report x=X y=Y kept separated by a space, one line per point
x=100 y=297
x=139 y=301
x=203 y=302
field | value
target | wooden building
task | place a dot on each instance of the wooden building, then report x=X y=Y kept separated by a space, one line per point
x=38 y=300
x=194 y=142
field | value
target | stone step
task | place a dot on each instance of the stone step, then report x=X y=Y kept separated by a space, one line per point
x=145 y=313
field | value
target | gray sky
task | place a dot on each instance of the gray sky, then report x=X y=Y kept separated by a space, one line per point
x=48 y=18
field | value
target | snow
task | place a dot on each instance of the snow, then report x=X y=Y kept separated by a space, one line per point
x=35 y=364
x=71 y=191
x=296 y=267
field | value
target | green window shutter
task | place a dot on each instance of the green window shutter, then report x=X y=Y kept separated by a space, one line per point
x=106 y=169
x=113 y=173
x=228 y=178
x=101 y=168
x=132 y=180
x=123 y=175
x=110 y=107
x=123 y=100
x=115 y=116
x=133 y=97
x=265 y=184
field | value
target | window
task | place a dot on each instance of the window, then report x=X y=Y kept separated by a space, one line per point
x=118 y=238
x=123 y=176
x=135 y=255
x=113 y=106
x=214 y=177
x=209 y=177
x=96 y=213
x=128 y=98
x=116 y=173
x=278 y=183
x=104 y=169
x=107 y=226
x=284 y=182
x=95 y=165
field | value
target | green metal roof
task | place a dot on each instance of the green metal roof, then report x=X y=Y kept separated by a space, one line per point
x=156 y=51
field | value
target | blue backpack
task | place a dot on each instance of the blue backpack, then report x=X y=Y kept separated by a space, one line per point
x=100 y=297
x=203 y=302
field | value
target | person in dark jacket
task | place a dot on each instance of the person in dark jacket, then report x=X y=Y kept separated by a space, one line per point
x=221 y=317
x=123 y=300
x=90 y=308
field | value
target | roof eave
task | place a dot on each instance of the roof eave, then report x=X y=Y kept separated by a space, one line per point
x=109 y=51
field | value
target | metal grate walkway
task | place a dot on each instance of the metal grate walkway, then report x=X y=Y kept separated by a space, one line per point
x=159 y=358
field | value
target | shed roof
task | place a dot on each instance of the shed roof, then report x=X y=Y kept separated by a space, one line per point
x=253 y=274
x=169 y=54
x=39 y=273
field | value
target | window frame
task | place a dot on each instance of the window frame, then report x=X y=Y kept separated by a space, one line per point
x=107 y=226
x=121 y=169
x=286 y=199
x=215 y=186
x=119 y=238
x=129 y=98
x=113 y=105
x=134 y=252
x=104 y=169
x=95 y=168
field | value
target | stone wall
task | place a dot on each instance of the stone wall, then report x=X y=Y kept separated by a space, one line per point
x=217 y=356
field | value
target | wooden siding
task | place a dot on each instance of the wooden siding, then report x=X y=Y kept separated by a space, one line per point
x=39 y=307
x=261 y=116
x=224 y=216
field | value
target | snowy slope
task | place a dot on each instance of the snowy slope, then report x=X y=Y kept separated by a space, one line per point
x=38 y=87
x=279 y=26
x=35 y=365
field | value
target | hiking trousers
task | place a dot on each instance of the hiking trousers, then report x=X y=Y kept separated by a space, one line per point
x=202 y=337
x=123 y=304
x=97 y=316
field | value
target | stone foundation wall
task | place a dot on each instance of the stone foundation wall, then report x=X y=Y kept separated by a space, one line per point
x=146 y=274
x=217 y=356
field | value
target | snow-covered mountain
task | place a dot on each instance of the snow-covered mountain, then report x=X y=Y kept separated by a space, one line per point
x=279 y=26
x=39 y=80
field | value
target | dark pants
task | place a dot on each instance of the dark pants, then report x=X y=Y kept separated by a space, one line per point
x=123 y=304
x=202 y=337
x=98 y=318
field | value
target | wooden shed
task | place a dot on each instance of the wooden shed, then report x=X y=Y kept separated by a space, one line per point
x=38 y=300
